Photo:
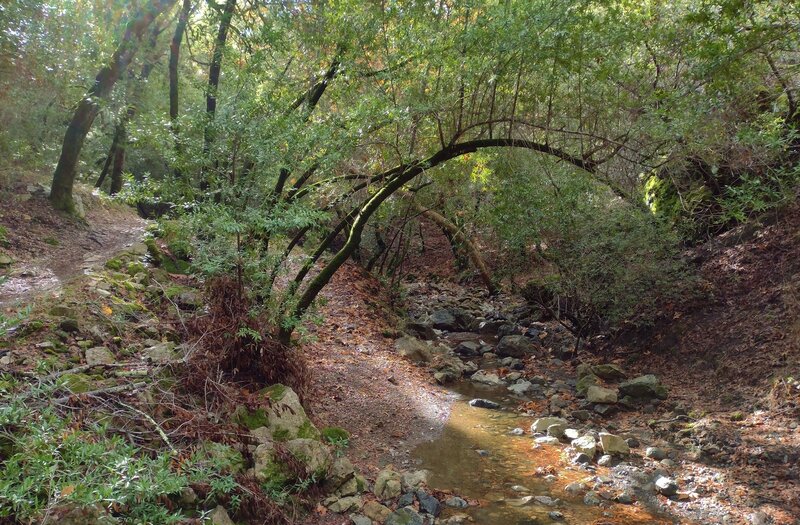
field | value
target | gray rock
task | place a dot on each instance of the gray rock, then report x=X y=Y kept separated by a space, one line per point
x=346 y=504
x=581 y=415
x=69 y=325
x=405 y=500
x=359 y=519
x=388 y=485
x=487 y=378
x=456 y=502
x=286 y=417
x=586 y=445
x=517 y=432
x=571 y=433
x=613 y=444
x=666 y=486
x=605 y=460
x=413 y=349
x=484 y=403
x=515 y=346
x=626 y=497
x=541 y=424
x=591 y=498
x=414 y=480
x=655 y=453
x=375 y=511
x=581 y=458
x=545 y=500
x=99 y=355
x=546 y=440
x=598 y=394
x=521 y=388
x=555 y=515
x=405 y=516
x=314 y=455
x=557 y=430
x=633 y=442
x=161 y=353
x=219 y=516
x=574 y=488
x=428 y=504
x=646 y=386
x=468 y=349
x=444 y=320
x=584 y=382
x=608 y=372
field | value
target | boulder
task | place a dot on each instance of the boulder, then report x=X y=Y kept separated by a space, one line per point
x=340 y=473
x=598 y=394
x=359 y=519
x=314 y=455
x=375 y=511
x=541 y=424
x=487 y=378
x=161 y=352
x=468 y=349
x=422 y=329
x=521 y=388
x=484 y=403
x=405 y=516
x=388 y=484
x=284 y=416
x=613 y=444
x=557 y=430
x=413 y=349
x=586 y=445
x=646 y=386
x=219 y=516
x=414 y=480
x=666 y=486
x=584 y=382
x=99 y=355
x=515 y=346
x=608 y=372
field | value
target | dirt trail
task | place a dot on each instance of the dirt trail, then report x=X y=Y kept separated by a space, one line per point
x=48 y=249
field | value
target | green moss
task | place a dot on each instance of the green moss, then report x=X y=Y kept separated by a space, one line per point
x=308 y=430
x=281 y=434
x=114 y=264
x=737 y=416
x=52 y=241
x=275 y=392
x=177 y=267
x=136 y=267
x=76 y=383
x=251 y=419
x=585 y=382
x=335 y=434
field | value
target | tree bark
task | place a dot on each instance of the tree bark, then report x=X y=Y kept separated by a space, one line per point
x=458 y=236
x=174 y=60
x=88 y=107
x=396 y=178
x=214 y=71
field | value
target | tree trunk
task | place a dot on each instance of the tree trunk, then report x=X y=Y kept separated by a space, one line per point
x=119 y=162
x=174 y=59
x=214 y=71
x=87 y=109
x=457 y=235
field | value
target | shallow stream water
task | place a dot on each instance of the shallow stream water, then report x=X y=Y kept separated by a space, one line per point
x=495 y=477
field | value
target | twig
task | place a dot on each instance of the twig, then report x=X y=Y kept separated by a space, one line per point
x=109 y=390
x=160 y=430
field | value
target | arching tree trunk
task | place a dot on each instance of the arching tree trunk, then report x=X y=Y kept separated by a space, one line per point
x=87 y=109
x=396 y=178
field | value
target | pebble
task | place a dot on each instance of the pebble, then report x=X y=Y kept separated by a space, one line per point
x=605 y=460
x=666 y=486
x=456 y=502
x=484 y=403
x=655 y=453
x=517 y=432
x=591 y=498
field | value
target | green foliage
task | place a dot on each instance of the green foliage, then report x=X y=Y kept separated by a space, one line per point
x=8 y=323
x=338 y=437
x=600 y=260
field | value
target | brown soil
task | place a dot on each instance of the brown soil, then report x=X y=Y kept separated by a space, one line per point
x=726 y=357
x=48 y=247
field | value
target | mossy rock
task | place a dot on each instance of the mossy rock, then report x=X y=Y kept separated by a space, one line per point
x=176 y=266
x=251 y=419
x=275 y=392
x=136 y=267
x=335 y=435
x=77 y=383
x=114 y=264
x=583 y=384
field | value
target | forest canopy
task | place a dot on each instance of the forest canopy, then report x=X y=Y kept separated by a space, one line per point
x=276 y=132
